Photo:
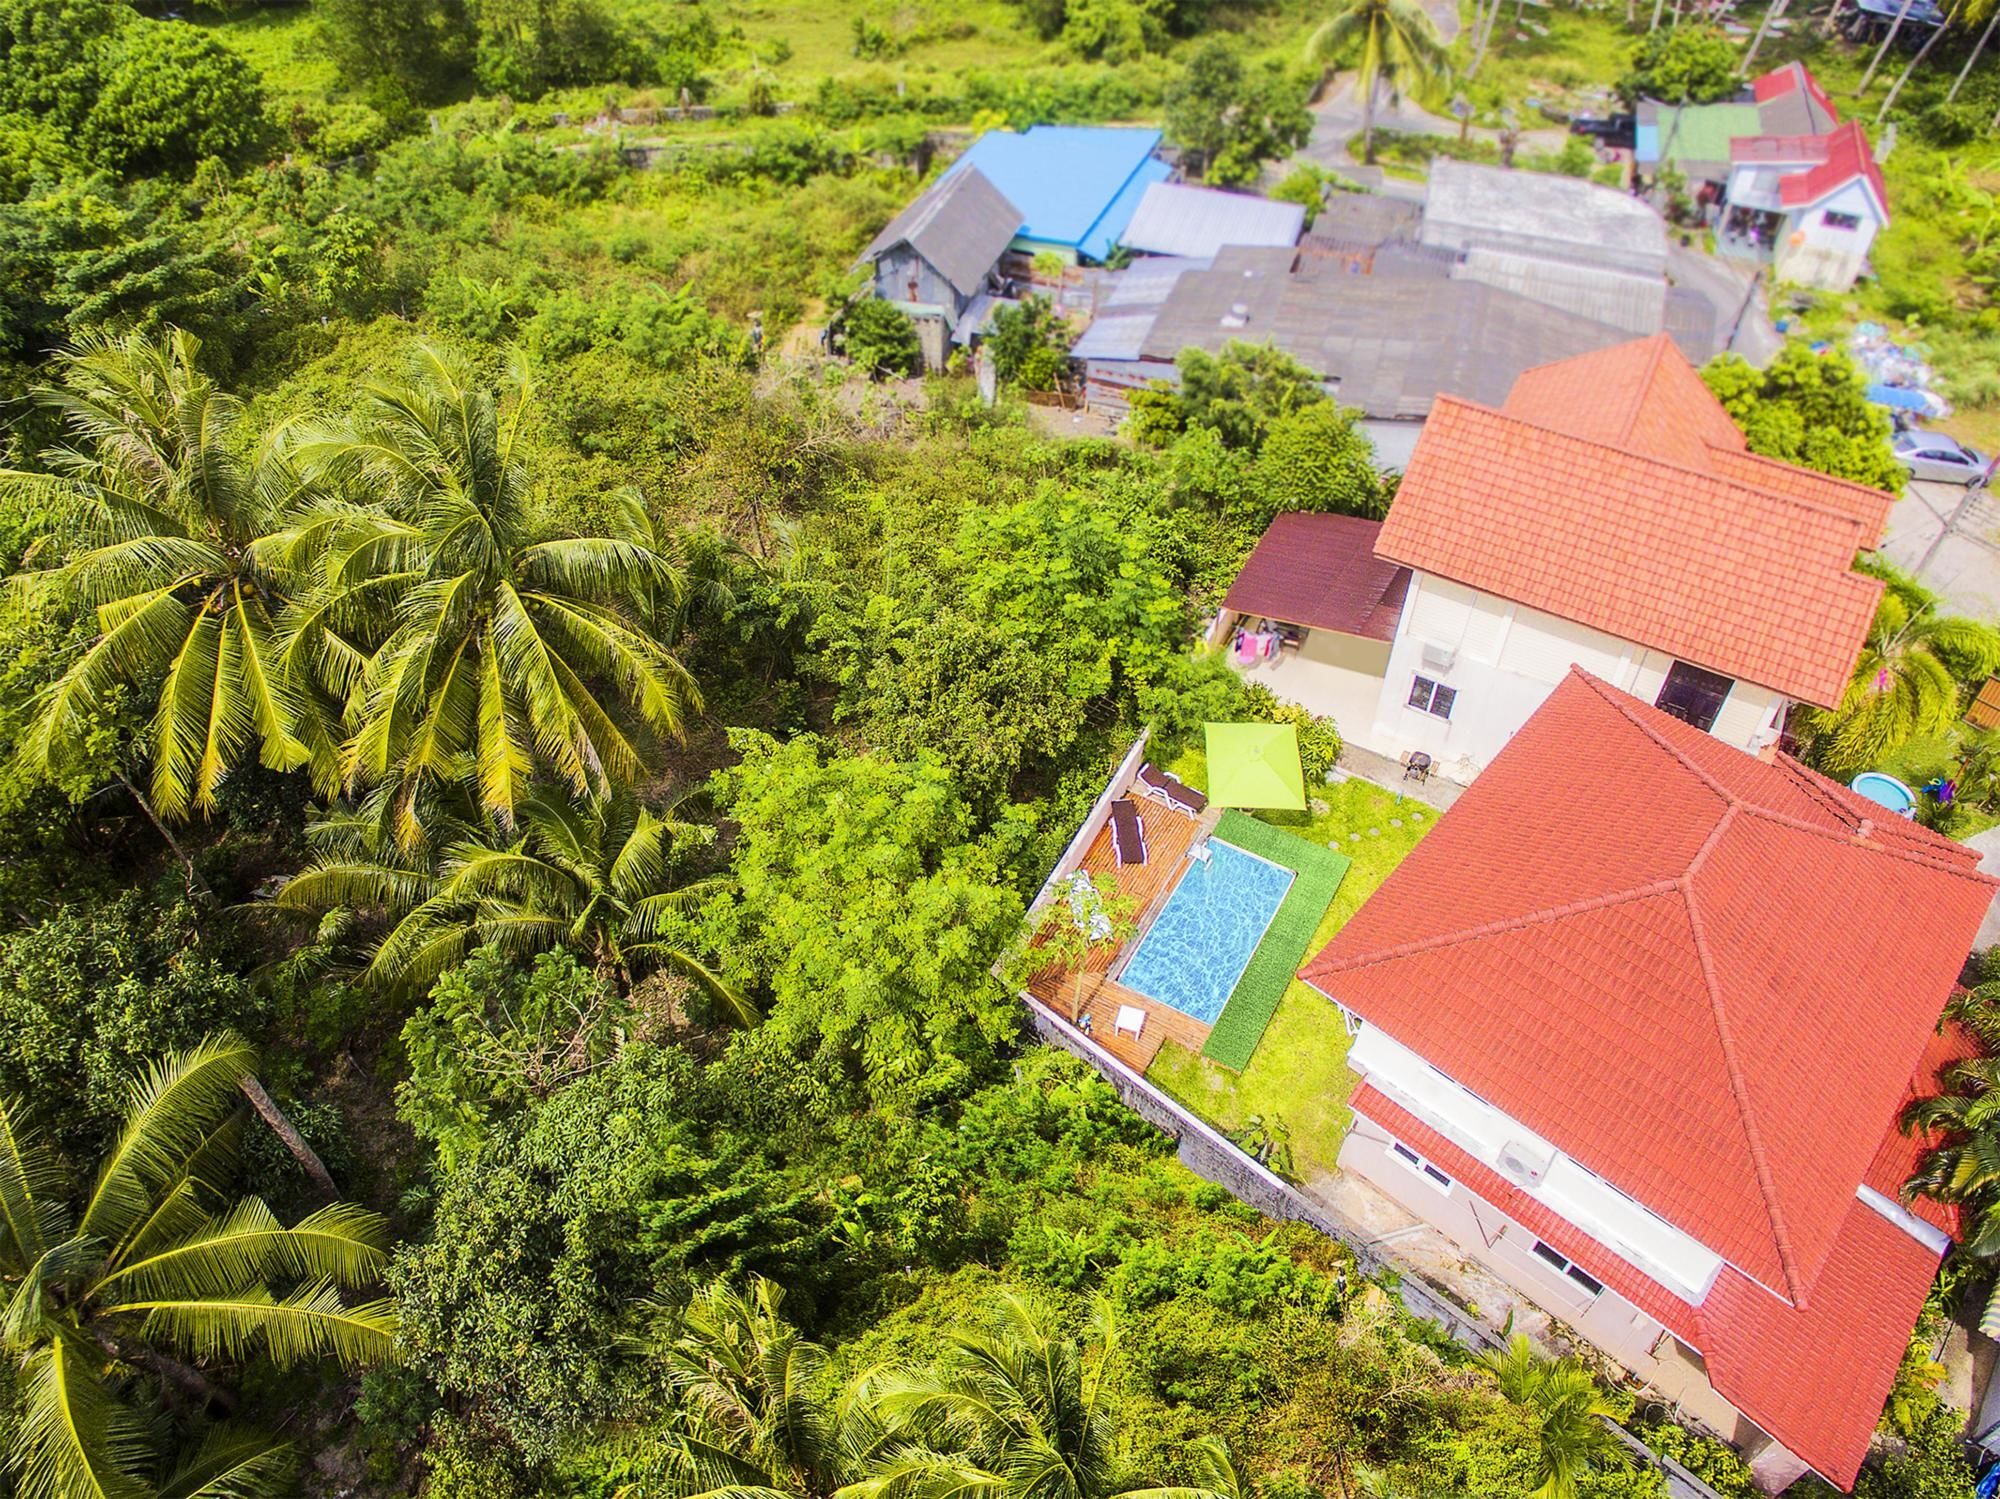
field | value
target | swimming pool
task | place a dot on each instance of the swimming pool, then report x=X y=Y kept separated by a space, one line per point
x=1199 y=946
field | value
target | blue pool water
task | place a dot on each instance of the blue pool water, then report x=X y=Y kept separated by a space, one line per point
x=1202 y=940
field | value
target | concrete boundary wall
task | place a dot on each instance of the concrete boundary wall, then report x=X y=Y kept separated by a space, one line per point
x=1214 y=1157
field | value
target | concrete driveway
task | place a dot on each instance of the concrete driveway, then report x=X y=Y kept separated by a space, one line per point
x=1951 y=541
x=1725 y=284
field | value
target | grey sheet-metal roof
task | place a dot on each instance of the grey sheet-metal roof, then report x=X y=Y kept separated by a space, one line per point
x=1795 y=113
x=960 y=224
x=1366 y=218
x=1115 y=336
x=1391 y=344
x=1144 y=283
x=1538 y=213
x=1176 y=219
x=1601 y=293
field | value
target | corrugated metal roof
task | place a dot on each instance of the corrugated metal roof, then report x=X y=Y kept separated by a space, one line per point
x=1604 y=294
x=961 y=224
x=1537 y=213
x=1175 y=219
x=1392 y=344
x=1074 y=185
x=1144 y=283
x=1117 y=336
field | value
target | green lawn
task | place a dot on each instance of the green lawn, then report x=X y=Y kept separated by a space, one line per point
x=1298 y=1075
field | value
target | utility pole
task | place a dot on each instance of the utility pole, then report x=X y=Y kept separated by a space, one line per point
x=1742 y=312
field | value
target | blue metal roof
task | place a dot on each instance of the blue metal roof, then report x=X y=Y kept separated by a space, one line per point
x=1075 y=185
x=1898 y=397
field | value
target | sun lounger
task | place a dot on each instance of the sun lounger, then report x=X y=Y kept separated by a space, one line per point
x=1168 y=790
x=1130 y=1018
x=1128 y=832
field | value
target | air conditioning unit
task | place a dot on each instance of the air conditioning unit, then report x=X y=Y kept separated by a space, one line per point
x=1519 y=1166
x=1439 y=658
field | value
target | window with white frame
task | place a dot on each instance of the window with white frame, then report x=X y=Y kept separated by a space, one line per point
x=1836 y=220
x=1431 y=697
x=1557 y=1260
x=1421 y=1166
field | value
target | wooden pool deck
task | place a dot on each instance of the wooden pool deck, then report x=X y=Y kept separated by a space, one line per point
x=1169 y=835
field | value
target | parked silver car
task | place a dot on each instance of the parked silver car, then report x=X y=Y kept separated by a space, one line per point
x=1932 y=455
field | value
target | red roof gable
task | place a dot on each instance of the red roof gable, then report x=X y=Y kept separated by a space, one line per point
x=1792 y=78
x=1827 y=163
x=1664 y=956
x=1614 y=490
x=1814 y=1378
x=1322 y=571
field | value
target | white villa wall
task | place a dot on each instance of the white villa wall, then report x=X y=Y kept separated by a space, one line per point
x=1643 y=1239
x=1508 y=659
x=1607 y=1321
x=1334 y=675
x=1824 y=256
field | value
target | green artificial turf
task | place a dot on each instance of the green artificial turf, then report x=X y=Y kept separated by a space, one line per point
x=1254 y=1000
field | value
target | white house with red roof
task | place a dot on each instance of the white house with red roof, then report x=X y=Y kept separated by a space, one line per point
x=1819 y=201
x=1633 y=1025
x=1610 y=515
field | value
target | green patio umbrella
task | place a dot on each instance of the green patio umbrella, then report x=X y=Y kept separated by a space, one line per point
x=1255 y=765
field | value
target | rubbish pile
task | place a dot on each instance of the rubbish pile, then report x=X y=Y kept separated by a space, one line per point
x=1897 y=374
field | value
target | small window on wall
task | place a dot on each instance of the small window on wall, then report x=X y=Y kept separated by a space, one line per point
x=1834 y=220
x=1431 y=697
x=1421 y=1166
x=1555 y=1259
x=1693 y=695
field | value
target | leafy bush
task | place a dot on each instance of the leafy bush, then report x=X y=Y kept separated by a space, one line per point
x=92 y=994
x=1314 y=458
x=1232 y=117
x=1695 y=64
x=882 y=338
x=1029 y=344
x=1231 y=1272
x=172 y=94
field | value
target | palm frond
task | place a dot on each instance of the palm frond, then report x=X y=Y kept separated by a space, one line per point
x=234 y=1463
x=71 y=1439
x=340 y=1243
x=310 y=1322
x=169 y=1116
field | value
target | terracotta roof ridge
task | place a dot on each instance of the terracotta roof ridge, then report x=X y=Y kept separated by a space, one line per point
x=1941 y=862
x=1794 y=773
x=1817 y=507
x=1739 y=1086
x=1655 y=352
x=1652 y=890
x=1835 y=479
x=1622 y=703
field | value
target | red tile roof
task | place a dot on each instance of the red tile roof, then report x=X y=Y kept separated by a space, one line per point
x=1665 y=956
x=1899 y=1153
x=1613 y=490
x=1831 y=161
x=1322 y=571
x=1814 y=1378
x=1792 y=78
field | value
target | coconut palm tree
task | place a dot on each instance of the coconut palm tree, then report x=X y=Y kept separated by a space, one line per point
x=501 y=651
x=1963 y=1166
x=752 y=1418
x=1895 y=26
x=1907 y=681
x=1896 y=88
x=1975 y=10
x=1771 y=13
x=1017 y=1412
x=153 y=1280
x=596 y=875
x=169 y=530
x=1400 y=45
x=1571 y=1411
